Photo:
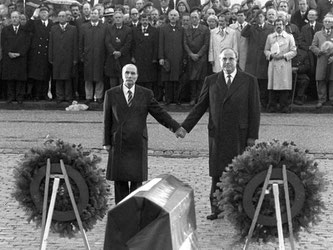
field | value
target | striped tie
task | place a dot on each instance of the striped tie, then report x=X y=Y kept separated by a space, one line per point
x=229 y=81
x=130 y=98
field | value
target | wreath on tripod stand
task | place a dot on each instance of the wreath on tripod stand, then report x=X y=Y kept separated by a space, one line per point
x=240 y=180
x=87 y=181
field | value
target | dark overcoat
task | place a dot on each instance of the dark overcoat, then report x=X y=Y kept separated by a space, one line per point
x=144 y=50
x=196 y=41
x=125 y=130
x=92 y=50
x=39 y=67
x=117 y=40
x=63 y=51
x=16 y=68
x=257 y=64
x=234 y=116
x=306 y=38
x=171 y=48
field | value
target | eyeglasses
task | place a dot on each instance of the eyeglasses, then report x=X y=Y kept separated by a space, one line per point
x=224 y=59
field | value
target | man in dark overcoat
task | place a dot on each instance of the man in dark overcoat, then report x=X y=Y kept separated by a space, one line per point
x=125 y=131
x=144 y=52
x=256 y=32
x=307 y=34
x=170 y=54
x=232 y=98
x=15 y=42
x=39 y=68
x=92 y=52
x=63 y=55
x=196 y=43
x=118 y=43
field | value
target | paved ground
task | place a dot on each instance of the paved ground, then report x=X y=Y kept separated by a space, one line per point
x=16 y=233
x=186 y=159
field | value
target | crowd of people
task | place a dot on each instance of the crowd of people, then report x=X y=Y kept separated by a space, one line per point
x=77 y=52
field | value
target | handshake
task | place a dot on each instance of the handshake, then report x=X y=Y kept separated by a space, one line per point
x=181 y=132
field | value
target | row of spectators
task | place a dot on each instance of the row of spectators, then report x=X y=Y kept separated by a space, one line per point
x=78 y=54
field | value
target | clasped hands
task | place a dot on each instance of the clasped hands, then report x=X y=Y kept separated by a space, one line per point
x=181 y=132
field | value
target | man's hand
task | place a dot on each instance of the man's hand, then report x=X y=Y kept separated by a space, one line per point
x=161 y=62
x=107 y=147
x=117 y=54
x=250 y=142
x=194 y=57
x=12 y=55
x=181 y=132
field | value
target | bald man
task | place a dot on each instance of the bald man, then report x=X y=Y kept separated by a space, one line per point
x=125 y=131
x=232 y=99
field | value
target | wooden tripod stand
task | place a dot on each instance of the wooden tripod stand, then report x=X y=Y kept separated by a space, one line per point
x=275 y=184
x=46 y=222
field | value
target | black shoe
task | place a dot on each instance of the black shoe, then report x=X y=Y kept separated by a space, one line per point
x=99 y=100
x=285 y=110
x=298 y=102
x=272 y=110
x=87 y=102
x=319 y=105
x=212 y=216
x=10 y=101
x=20 y=102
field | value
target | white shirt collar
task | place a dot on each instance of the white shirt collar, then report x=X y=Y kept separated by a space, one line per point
x=233 y=74
x=195 y=27
x=94 y=24
x=46 y=22
x=63 y=25
x=125 y=91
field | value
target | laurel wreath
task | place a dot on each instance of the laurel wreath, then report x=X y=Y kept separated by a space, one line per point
x=75 y=157
x=255 y=160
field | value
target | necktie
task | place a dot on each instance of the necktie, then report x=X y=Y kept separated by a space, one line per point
x=229 y=81
x=221 y=32
x=44 y=23
x=130 y=98
x=15 y=29
x=241 y=26
x=144 y=30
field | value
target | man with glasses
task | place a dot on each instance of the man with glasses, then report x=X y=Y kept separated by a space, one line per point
x=232 y=98
x=134 y=18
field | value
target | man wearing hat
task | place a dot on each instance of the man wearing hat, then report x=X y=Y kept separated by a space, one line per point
x=108 y=14
x=39 y=68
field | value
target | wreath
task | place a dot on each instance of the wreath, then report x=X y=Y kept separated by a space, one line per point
x=307 y=183
x=87 y=182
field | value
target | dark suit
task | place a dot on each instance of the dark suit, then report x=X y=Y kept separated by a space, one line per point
x=14 y=70
x=125 y=130
x=196 y=41
x=63 y=54
x=234 y=117
x=299 y=20
x=39 y=68
x=144 y=51
x=257 y=64
x=307 y=34
x=117 y=40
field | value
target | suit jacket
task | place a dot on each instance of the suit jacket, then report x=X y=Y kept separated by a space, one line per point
x=171 y=48
x=117 y=40
x=125 y=130
x=63 y=51
x=299 y=20
x=323 y=7
x=38 y=63
x=257 y=64
x=145 y=50
x=306 y=38
x=234 y=116
x=14 y=68
x=196 y=41
x=92 y=50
